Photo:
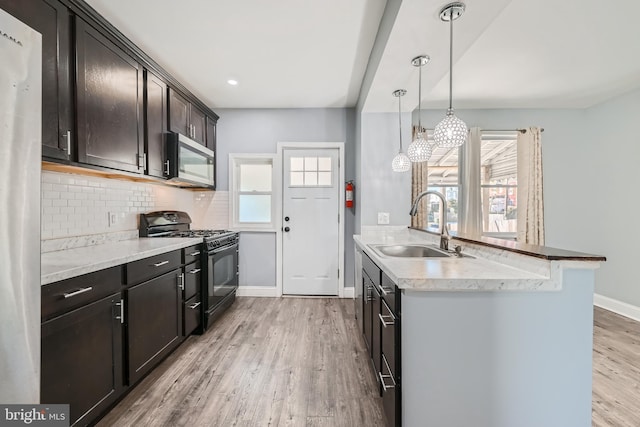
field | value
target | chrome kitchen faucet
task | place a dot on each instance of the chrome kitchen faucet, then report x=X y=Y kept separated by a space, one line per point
x=444 y=233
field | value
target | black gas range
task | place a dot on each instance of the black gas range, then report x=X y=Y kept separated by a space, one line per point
x=219 y=258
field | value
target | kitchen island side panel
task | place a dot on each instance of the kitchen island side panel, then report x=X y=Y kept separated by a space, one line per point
x=499 y=359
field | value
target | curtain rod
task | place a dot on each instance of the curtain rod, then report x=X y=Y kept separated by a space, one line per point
x=508 y=130
x=499 y=130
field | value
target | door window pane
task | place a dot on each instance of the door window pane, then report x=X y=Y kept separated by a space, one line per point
x=297 y=179
x=324 y=164
x=324 y=179
x=310 y=163
x=297 y=164
x=310 y=178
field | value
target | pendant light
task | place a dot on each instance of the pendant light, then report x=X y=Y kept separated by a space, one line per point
x=451 y=131
x=401 y=162
x=420 y=149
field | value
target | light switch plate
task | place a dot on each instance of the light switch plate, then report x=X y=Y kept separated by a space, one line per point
x=383 y=218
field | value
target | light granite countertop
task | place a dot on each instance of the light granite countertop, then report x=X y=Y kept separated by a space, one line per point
x=488 y=269
x=65 y=264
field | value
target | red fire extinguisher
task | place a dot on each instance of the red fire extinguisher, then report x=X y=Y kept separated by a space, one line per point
x=348 y=194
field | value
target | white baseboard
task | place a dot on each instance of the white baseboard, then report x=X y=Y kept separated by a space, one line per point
x=622 y=308
x=272 y=292
x=257 y=291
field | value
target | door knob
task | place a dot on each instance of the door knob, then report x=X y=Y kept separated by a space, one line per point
x=286 y=218
x=286 y=229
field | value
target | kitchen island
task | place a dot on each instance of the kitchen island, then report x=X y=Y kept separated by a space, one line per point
x=500 y=338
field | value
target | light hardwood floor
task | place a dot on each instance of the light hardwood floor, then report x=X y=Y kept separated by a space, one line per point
x=616 y=370
x=302 y=362
x=266 y=362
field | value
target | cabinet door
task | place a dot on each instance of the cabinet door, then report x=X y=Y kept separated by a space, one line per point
x=211 y=134
x=109 y=87
x=154 y=322
x=199 y=122
x=156 y=123
x=178 y=113
x=82 y=359
x=51 y=19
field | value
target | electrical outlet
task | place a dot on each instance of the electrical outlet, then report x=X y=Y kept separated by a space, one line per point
x=383 y=218
x=113 y=219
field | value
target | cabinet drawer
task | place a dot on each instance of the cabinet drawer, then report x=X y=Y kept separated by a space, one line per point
x=388 y=290
x=63 y=296
x=371 y=269
x=192 y=279
x=144 y=269
x=191 y=254
x=192 y=315
x=388 y=325
x=389 y=395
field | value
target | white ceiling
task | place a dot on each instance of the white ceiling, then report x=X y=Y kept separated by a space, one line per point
x=301 y=54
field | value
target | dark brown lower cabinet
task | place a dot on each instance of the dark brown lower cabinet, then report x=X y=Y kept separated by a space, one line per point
x=381 y=319
x=82 y=359
x=192 y=310
x=154 y=322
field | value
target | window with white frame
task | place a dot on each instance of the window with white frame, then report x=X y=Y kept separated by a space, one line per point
x=442 y=171
x=252 y=184
x=499 y=184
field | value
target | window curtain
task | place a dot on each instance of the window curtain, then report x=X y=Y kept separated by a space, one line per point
x=530 y=203
x=470 y=203
x=419 y=180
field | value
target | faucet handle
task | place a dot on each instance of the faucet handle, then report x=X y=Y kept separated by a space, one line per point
x=458 y=250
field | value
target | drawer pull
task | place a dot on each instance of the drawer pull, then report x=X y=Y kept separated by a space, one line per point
x=194 y=253
x=78 y=292
x=386 y=291
x=384 y=321
x=385 y=387
x=161 y=263
x=121 y=305
x=195 y=271
x=181 y=282
x=194 y=305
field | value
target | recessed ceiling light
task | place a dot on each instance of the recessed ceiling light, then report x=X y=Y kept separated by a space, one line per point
x=232 y=82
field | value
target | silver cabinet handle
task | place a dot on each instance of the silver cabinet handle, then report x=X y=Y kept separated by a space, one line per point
x=194 y=305
x=68 y=136
x=181 y=282
x=384 y=321
x=195 y=271
x=166 y=167
x=78 y=292
x=194 y=254
x=161 y=263
x=386 y=291
x=121 y=305
x=386 y=387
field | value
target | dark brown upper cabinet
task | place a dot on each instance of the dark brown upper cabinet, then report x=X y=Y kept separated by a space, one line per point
x=211 y=133
x=109 y=88
x=155 y=123
x=186 y=118
x=51 y=19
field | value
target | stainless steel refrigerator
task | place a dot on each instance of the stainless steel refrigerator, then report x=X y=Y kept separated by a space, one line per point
x=20 y=164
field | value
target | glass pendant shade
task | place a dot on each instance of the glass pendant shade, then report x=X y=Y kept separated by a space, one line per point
x=420 y=149
x=451 y=132
x=401 y=163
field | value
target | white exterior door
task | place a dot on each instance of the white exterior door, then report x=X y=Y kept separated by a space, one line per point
x=310 y=221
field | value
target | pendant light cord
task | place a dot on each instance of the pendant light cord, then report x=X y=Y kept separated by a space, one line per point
x=420 y=99
x=400 y=121
x=450 y=58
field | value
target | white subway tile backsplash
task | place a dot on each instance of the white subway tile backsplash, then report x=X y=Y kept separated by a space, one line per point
x=76 y=208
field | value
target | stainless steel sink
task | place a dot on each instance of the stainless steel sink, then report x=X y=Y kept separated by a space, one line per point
x=410 y=251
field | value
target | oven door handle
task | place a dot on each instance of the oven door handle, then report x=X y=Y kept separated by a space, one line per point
x=224 y=248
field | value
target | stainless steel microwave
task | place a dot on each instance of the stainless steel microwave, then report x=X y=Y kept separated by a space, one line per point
x=188 y=163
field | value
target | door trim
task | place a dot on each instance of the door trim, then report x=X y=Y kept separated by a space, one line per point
x=281 y=146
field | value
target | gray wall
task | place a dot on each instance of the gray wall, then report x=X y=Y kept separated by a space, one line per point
x=607 y=162
x=259 y=131
x=383 y=189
